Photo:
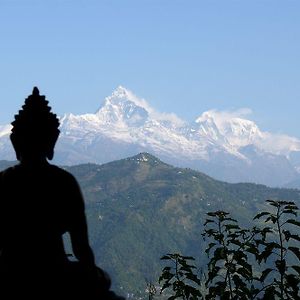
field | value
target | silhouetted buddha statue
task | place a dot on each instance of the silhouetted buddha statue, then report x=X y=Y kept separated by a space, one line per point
x=39 y=202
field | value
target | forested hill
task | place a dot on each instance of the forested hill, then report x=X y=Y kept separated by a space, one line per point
x=140 y=208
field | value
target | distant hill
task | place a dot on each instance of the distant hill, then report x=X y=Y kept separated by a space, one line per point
x=294 y=184
x=140 y=208
x=6 y=164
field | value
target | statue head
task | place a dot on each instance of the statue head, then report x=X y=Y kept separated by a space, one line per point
x=35 y=129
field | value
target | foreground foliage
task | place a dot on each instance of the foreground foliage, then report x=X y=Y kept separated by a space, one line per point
x=257 y=263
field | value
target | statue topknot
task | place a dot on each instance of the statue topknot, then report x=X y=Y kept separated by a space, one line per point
x=35 y=128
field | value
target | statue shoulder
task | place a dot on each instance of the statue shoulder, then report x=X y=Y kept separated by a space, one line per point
x=7 y=173
x=62 y=174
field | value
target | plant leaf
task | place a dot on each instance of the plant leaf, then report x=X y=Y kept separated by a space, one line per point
x=296 y=251
x=258 y=216
x=264 y=274
x=294 y=222
x=297 y=269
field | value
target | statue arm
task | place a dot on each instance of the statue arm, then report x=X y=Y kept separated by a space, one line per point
x=79 y=229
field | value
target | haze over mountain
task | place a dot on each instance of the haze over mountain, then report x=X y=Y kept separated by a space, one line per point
x=224 y=145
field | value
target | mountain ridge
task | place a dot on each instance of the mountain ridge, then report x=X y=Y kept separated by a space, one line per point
x=140 y=208
x=222 y=145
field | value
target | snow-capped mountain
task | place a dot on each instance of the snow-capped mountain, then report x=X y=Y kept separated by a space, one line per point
x=223 y=145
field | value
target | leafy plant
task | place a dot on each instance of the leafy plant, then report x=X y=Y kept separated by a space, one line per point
x=180 y=277
x=230 y=274
x=278 y=245
x=257 y=263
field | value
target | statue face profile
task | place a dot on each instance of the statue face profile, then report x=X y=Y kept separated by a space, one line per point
x=35 y=129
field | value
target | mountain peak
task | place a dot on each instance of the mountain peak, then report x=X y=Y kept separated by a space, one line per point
x=121 y=95
x=205 y=116
x=121 y=92
x=237 y=130
x=146 y=158
x=123 y=109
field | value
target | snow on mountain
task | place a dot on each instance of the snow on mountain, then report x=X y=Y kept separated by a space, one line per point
x=240 y=132
x=126 y=119
x=225 y=145
x=123 y=109
x=6 y=149
x=278 y=144
x=206 y=128
x=121 y=94
x=231 y=129
x=5 y=130
x=123 y=104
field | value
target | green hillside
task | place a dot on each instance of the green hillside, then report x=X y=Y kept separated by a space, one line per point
x=140 y=208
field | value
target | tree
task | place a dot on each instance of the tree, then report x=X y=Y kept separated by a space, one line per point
x=179 y=275
x=279 y=246
x=229 y=274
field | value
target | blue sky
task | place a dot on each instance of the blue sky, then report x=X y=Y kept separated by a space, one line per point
x=181 y=56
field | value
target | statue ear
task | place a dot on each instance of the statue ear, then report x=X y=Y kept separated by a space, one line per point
x=50 y=154
x=50 y=150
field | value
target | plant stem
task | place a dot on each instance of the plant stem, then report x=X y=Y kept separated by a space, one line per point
x=227 y=261
x=177 y=277
x=281 y=251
